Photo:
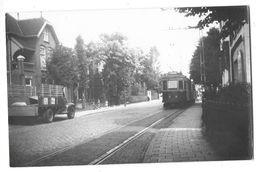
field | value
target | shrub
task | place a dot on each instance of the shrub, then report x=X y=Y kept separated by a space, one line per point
x=239 y=93
x=135 y=89
x=228 y=120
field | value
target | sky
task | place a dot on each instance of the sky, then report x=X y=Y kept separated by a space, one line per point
x=144 y=28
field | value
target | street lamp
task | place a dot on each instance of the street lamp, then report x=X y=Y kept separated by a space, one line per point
x=21 y=59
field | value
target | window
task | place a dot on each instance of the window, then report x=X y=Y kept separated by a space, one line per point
x=181 y=85
x=172 y=85
x=238 y=67
x=236 y=71
x=28 y=81
x=49 y=54
x=45 y=36
x=241 y=69
x=43 y=80
x=43 y=57
x=164 y=85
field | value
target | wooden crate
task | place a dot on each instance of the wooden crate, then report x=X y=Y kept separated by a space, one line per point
x=50 y=90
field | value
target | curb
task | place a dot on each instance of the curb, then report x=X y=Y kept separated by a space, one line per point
x=109 y=108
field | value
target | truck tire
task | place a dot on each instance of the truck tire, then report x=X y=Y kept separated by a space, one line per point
x=48 y=116
x=71 y=112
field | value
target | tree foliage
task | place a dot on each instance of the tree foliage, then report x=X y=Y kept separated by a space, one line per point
x=233 y=16
x=195 y=71
x=150 y=72
x=62 y=67
x=118 y=68
x=106 y=70
x=82 y=62
x=211 y=53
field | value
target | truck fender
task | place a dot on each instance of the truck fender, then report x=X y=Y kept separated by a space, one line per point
x=70 y=105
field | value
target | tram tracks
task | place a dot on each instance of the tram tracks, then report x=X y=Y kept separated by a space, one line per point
x=35 y=161
x=116 y=147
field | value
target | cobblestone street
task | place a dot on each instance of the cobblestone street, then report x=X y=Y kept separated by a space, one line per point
x=182 y=141
x=178 y=139
x=29 y=142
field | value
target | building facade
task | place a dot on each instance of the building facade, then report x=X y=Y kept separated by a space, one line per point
x=236 y=56
x=29 y=44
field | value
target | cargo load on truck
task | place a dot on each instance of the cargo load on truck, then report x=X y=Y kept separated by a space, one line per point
x=44 y=101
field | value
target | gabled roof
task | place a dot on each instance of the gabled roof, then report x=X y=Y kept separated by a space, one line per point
x=28 y=42
x=31 y=27
x=12 y=25
x=23 y=30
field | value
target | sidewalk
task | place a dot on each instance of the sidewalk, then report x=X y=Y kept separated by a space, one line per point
x=182 y=141
x=105 y=109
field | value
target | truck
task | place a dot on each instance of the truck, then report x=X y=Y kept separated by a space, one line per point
x=45 y=102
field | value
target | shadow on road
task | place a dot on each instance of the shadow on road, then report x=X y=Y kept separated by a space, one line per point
x=29 y=121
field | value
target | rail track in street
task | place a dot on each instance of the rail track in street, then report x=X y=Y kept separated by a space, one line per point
x=112 y=151
x=42 y=158
x=109 y=152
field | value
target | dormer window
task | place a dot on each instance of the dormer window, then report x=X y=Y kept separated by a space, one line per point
x=46 y=36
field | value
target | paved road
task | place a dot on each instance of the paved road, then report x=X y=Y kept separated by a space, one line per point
x=29 y=142
x=143 y=132
x=183 y=140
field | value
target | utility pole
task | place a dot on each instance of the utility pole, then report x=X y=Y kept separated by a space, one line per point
x=202 y=58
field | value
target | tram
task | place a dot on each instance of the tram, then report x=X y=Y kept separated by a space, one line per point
x=176 y=89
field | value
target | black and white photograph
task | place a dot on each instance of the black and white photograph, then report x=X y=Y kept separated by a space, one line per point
x=128 y=84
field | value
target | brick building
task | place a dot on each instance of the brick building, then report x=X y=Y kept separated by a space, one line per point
x=29 y=44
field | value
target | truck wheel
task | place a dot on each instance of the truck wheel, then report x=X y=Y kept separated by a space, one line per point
x=71 y=112
x=48 y=116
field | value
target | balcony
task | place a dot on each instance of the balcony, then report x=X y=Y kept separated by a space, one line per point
x=28 y=67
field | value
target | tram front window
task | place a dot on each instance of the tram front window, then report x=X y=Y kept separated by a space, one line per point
x=181 y=85
x=164 y=85
x=172 y=85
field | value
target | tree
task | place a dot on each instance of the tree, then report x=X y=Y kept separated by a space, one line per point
x=195 y=69
x=82 y=67
x=62 y=67
x=119 y=66
x=211 y=53
x=150 y=72
x=95 y=91
x=232 y=16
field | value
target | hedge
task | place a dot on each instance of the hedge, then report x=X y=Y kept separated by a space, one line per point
x=227 y=119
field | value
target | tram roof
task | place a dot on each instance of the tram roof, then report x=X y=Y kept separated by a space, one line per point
x=172 y=75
